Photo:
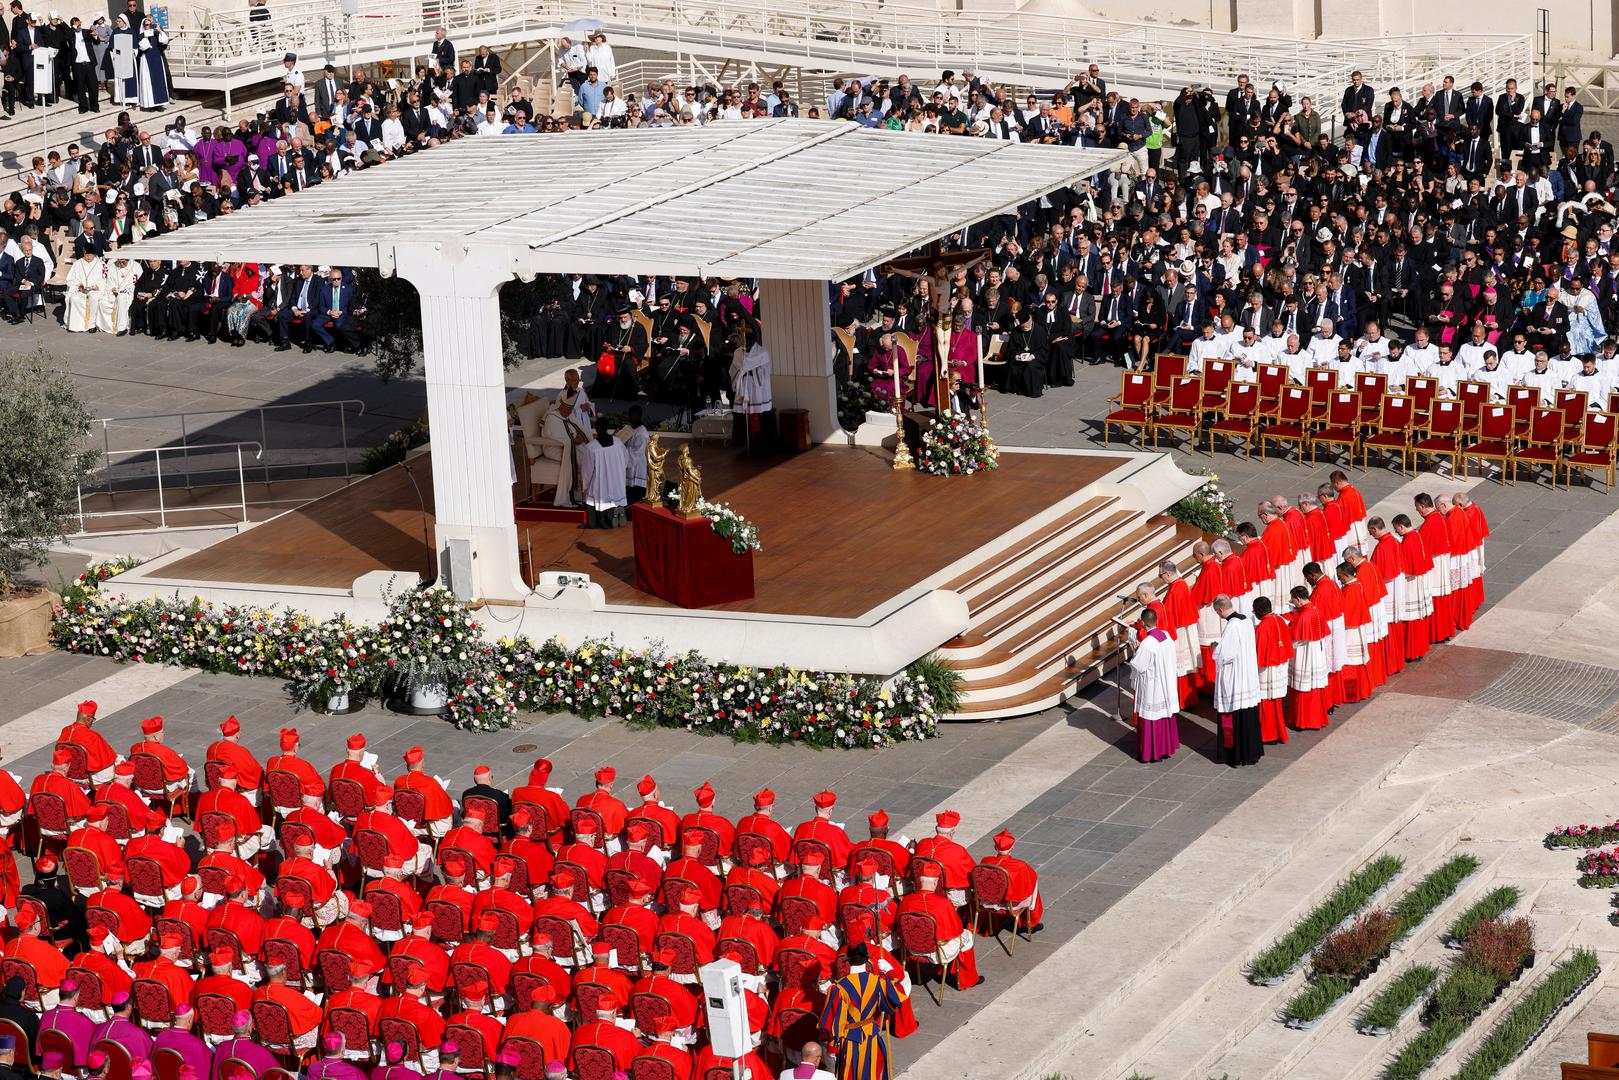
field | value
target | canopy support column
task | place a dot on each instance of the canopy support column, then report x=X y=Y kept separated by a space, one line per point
x=797 y=322
x=476 y=534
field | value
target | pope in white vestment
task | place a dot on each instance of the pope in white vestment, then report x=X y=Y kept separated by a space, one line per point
x=86 y=280
x=1237 y=690
x=562 y=436
x=117 y=296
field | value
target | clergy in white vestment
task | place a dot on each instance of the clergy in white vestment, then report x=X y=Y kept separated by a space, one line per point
x=635 y=437
x=1236 y=685
x=604 y=465
x=116 y=298
x=750 y=379
x=152 y=72
x=562 y=436
x=1157 y=692
x=119 y=65
x=86 y=280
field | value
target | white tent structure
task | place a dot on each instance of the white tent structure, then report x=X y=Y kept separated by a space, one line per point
x=794 y=203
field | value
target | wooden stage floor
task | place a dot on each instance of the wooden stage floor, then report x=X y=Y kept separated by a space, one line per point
x=841 y=531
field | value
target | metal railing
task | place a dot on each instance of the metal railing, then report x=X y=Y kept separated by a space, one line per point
x=163 y=510
x=263 y=442
x=1035 y=49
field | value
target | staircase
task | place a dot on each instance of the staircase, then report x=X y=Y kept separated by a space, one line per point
x=1041 y=605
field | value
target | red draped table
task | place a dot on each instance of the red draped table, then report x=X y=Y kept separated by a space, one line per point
x=684 y=561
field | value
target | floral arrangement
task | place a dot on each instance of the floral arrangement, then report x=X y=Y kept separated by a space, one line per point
x=730 y=525
x=490 y=682
x=1584 y=836
x=1599 y=869
x=429 y=635
x=328 y=658
x=957 y=445
x=1208 y=508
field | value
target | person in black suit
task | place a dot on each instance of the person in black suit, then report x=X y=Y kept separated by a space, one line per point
x=1475 y=153
x=1447 y=108
x=1478 y=110
x=209 y=305
x=1358 y=98
x=21 y=62
x=81 y=56
x=368 y=129
x=1511 y=115
x=443 y=51
x=291 y=108
x=303 y=298
x=277 y=294
x=22 y=279
x=487 y=65
x=1568 y=123
x=1547 y=324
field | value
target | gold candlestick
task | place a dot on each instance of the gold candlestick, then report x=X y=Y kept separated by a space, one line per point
x=902 y=453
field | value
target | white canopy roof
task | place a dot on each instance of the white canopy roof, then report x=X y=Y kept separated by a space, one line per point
x=802 y=199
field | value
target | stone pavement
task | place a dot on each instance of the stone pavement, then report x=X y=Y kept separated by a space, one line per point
x=1096 y=823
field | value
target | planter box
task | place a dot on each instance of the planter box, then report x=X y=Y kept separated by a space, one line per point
x=1403 y=1017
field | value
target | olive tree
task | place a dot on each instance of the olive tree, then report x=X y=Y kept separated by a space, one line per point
x=43 y=458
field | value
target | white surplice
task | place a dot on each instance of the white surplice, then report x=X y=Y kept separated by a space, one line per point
x=1152 y=672
x=1236 y=667
x=602 y=473
x=750 y=380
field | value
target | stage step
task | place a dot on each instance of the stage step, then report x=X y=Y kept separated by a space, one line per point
x=1041 y=608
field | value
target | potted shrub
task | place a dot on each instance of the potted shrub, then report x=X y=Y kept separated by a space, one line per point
x=331 y=664
x=1355 y=951
x=427 y=642
x=1467 y=992
x=1504 y=948
x=43 y=460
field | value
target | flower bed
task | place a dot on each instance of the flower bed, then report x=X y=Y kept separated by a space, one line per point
x=1518 y=1030
x=1276 y=962
x=490 y=682
x=1583 y=836
x=956 y=445
x=1495 y=954
x=1351 y=953
x=1492 y=905
x=1599 y=869
x=1396 y=1000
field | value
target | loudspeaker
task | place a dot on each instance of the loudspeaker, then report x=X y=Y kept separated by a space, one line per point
x=458 y=567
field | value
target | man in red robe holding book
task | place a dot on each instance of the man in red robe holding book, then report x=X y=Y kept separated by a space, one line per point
x=1436 y=541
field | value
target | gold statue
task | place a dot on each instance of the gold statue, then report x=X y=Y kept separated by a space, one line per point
x=691 y=483
x=655 y=456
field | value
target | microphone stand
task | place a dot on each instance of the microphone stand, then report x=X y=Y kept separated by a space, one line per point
x=432 y=560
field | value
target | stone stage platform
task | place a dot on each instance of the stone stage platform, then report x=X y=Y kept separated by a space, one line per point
x=858 y=570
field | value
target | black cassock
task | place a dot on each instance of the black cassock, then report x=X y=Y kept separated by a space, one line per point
x=1024 y=370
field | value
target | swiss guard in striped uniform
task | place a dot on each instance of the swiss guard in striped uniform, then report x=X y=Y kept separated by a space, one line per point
x=859 y=1008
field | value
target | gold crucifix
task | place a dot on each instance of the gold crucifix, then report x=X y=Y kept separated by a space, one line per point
x=937 y=267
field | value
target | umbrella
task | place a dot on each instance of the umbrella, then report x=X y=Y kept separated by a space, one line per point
x=583 y=27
